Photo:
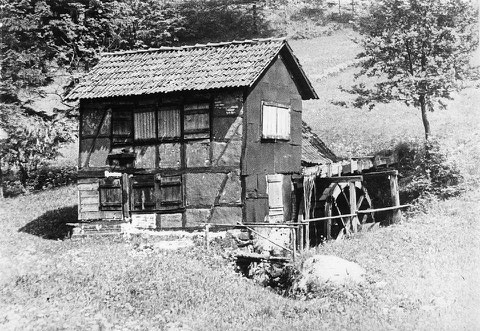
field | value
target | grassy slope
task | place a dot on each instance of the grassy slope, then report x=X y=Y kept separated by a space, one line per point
x=423 y=273
x=360 y=131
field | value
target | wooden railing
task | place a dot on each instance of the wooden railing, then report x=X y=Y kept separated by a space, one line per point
x=299 y=230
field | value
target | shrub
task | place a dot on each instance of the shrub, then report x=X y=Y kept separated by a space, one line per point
x=45 y=177
x=426 y=171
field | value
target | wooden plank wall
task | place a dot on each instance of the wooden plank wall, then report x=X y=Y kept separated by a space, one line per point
x=262 y=158
x=89 y=201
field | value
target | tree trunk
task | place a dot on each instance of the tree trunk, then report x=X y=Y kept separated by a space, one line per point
x=23 y=176
x=426 y=123
x=1 y=183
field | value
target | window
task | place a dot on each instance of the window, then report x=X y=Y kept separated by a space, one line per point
x=163 y=194
x=169 y=123
x=275 y=121
x=143 y=193
x=196 y=119
x=144 y=123
x=110 y=194
x=121 y=127
x=164 y=123
x=170 y=189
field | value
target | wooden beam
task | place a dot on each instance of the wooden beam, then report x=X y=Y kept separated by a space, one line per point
x=328 y=225
x=341 y=179
x=327 y=218
x=380 y=173
x=125 y=195
x=368 y=211
x=353 y=207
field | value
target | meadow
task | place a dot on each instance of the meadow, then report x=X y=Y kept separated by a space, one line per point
x=422 y=274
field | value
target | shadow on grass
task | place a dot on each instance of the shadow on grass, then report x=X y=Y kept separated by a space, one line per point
x=52 y=224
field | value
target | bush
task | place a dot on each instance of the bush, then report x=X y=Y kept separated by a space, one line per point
x=43 y=178
x=426 y=171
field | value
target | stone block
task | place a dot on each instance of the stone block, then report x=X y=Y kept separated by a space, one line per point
x=227 y=215
x=232 y=193
x=145 y=156
x=202 y=188
x=169 y=155
x=198 y=154
x=195 y=217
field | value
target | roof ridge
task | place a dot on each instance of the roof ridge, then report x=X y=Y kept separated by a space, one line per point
x=178 y=48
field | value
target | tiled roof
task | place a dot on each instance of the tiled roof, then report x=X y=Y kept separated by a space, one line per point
x=199 y=67
x=314 y=150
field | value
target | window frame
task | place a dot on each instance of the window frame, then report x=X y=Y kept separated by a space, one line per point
x=131 y=140
x=156 y=183
x=277 y=136
x=116 y=110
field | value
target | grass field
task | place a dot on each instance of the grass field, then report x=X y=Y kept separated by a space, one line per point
x=423 y=274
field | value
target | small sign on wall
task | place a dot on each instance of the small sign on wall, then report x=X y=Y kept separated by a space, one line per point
x=144 y=221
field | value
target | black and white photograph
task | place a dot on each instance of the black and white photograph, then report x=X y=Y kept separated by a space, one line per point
x=185 y=165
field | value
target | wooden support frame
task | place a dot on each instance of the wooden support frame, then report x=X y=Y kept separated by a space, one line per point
x=343 y=179
x=353 y=207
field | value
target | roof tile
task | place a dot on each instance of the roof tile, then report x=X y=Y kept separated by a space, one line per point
x=163 y=70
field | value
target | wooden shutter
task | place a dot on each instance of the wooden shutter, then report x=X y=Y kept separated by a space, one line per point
x=283 y=123
x=170 y=196
x=110 y=194
x=275 y=122
x=275 y=194
x=269 y=122
x=144 y=123
x=196 y=123
x=169 y=123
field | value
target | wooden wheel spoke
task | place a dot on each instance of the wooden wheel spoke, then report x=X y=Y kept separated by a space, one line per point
x=360 y=201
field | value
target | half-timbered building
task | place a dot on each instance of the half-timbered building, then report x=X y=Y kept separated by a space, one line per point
x=177 y=137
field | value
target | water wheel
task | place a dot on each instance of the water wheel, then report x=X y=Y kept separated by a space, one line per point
x=335 y=201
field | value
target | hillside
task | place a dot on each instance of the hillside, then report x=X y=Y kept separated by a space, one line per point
x=361 y=131
x=423 y=274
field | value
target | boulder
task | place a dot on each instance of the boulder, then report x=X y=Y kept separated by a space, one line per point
x=321 y=270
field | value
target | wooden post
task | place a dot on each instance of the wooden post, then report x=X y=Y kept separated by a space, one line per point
x=353 y=207
x=301 y=239
x=125 y=195
x=328 y=225
x=307 y=235
x=207 y=244
x=396 y=213
x=294 y=239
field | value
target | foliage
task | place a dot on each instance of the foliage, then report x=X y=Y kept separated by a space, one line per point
x=221 y=20
x=426 y=171
x=32 y=141
x=420 y=51
x=40 y=35
x=44 y=177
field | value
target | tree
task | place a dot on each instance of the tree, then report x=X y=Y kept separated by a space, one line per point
x=221 y=20
x=31 y=140
x=419 y=50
